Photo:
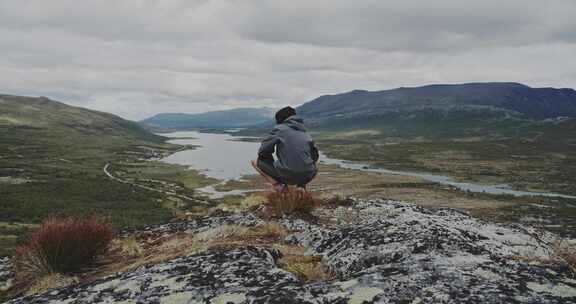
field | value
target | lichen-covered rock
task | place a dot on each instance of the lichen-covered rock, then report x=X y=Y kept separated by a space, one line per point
x=381 y=251
x=442 y=255
x=6 y=274
x=216 y=219
x=237 y=275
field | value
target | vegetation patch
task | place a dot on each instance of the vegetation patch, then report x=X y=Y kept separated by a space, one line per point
x=133 y=251
x=162 y=172
x=545 y=164
x=61 y=245
x=306 y=267
x=51 y=164
x=50 y=281
x=69 y=244
x=290 y=201
x=566 y=253
x=337 y=200
x=143 y=248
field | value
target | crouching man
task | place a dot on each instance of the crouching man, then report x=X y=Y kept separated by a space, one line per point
x=296 y=154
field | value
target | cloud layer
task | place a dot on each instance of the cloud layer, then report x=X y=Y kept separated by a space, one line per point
x=136 y=58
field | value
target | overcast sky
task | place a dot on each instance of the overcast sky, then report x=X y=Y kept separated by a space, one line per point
x=136 y=58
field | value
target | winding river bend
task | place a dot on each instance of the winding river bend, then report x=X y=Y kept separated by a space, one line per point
x=224 y=157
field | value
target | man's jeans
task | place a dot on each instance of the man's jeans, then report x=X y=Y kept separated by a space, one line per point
x=300 y=179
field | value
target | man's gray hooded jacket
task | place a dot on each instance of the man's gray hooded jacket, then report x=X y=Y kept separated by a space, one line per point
x=295 y=149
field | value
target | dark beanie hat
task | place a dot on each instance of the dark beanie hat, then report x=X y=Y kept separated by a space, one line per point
x=284 y=113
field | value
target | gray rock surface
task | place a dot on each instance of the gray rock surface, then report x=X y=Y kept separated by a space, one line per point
x=6 y=275
x=382 y=252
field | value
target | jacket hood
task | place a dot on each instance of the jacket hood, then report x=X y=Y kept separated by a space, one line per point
x=295 y=122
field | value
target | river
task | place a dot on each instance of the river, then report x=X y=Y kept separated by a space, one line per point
x=224 y=157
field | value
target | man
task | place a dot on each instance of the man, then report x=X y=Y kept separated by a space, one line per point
x=295 y=152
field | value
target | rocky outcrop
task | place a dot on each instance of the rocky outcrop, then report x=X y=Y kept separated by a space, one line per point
x=6 y=275
x=381 y=252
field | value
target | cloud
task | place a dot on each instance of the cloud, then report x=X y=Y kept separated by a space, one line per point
x=136 y=58
x=411 y=25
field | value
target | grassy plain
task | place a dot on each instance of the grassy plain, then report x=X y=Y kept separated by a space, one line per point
x=60 y=172
x=544 y=162
x=533 y=158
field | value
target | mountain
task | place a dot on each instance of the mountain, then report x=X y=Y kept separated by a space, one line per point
x=43 y=115
x=234 y=118
x=472 y=101
x=440 y=111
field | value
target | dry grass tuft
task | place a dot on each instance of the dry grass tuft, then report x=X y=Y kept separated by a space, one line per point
x=306 y=267
x=563 y=256
x=309 y=271
x=566 y=254
x=192 y=212
x=28 y=267
x=221 y=233
x=135 y=251
x=54 y=280
x=252 y=201
x=271 y=230
x=337 y=200
x=230 y=235
x=128 y=246
x=291 y=201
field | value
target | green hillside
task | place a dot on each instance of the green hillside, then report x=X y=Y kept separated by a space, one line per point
x=51 y=161
x=43 y=114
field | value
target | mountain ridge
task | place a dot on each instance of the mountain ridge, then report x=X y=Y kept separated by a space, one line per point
x=524 y=101
x=438 y=111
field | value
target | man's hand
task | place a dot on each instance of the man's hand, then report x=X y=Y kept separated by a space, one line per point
x=314 y=152
x=265 y=156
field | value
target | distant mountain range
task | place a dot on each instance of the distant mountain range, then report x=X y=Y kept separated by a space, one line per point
x=437 y=102
x=234 y=118
x=440 y=110
x=437 y=110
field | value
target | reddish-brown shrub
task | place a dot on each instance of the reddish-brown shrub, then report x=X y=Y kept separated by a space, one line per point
x=67 y=244
x=291 y=201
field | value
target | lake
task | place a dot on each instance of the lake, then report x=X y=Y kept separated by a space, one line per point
x=224 y=157
x=219 y=155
